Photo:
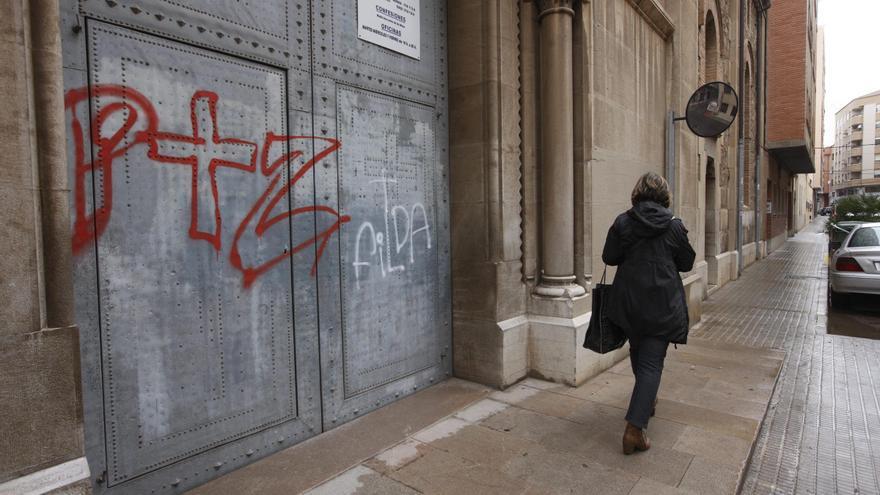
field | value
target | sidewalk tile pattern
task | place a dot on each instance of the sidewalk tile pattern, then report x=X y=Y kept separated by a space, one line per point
x=821 y=434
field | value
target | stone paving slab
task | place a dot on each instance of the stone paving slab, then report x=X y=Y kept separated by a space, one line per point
x=312 y=462
x=539 y=437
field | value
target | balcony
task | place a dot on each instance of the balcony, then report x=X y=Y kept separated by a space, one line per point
x=857 y=183
x=795 y=155
x=856 y=135
x=855 y=151
x=856 y=167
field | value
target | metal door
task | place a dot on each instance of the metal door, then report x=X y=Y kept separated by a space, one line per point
x=385 y=306
x=217 y=199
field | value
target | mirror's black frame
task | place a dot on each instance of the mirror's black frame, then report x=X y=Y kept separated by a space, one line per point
x=735 y=113
x=672 y=118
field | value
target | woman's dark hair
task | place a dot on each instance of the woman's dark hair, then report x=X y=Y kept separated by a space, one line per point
x=651 y=187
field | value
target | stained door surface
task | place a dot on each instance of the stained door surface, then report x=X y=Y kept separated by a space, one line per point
x=259 y=223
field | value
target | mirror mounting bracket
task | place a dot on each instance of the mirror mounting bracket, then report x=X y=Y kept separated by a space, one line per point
x=671 y=119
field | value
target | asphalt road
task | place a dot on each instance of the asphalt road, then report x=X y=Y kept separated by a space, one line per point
x=860 y=319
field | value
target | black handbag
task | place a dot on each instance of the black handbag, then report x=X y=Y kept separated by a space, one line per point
x=603 y=335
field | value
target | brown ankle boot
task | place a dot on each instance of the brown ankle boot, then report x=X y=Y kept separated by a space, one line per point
x=634 y=439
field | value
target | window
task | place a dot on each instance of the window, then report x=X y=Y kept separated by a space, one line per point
x=865 y=237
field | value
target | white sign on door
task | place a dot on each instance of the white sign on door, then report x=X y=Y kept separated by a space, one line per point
x=393 y=24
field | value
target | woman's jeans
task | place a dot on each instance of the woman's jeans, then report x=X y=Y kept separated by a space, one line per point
x=646 y=355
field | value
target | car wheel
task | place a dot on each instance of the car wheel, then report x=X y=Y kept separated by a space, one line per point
x=838 y=300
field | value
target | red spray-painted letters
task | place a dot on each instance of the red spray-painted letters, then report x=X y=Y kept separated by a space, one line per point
x=203 y=151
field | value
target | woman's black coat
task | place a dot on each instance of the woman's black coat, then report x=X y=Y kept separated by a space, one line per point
x=649 y=247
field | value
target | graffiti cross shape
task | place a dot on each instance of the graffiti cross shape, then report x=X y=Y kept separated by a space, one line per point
x=204 y=152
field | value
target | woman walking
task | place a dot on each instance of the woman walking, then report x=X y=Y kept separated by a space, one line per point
x=647 y=300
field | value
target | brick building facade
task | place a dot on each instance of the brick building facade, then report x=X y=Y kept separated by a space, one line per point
x=791 y=115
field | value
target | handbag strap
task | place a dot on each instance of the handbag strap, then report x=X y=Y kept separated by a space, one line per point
x=604 y=272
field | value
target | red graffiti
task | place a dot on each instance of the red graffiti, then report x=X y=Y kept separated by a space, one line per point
x=203 y=151
x=87 y=227
x=226 y=152
x=265 y=222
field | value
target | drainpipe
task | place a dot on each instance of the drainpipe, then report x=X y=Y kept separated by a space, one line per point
x=765 y=79
x=740 y=158
x=759 y=132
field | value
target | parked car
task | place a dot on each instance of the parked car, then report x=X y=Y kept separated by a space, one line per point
x=855 y=266
x=838 y=231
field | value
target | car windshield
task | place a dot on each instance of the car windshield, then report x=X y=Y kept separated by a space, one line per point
x=865 y=237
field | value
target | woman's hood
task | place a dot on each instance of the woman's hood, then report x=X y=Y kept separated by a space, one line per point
x=651 y=219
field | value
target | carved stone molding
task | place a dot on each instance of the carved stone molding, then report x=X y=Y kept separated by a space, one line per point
x=652 y=12
x=546 y=7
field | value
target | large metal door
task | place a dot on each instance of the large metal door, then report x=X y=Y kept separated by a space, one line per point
x=235 y=166
x=385 y=307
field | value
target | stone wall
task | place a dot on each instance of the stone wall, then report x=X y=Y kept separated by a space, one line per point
x=41 y=439
x=485 y=167
x=631 y=64
x=629 y=104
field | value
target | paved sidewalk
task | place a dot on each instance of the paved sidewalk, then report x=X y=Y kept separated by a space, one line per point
x=822 y=431
x=538 y=437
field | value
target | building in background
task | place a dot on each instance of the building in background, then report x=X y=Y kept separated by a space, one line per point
x=791 y=117
x=819 y=121
x=855 y=165
x=825 y=190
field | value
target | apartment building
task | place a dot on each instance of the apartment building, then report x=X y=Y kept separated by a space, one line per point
x=825 y=186
x=855 y=167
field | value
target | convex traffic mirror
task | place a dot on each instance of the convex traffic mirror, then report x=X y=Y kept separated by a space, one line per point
x=711 y=109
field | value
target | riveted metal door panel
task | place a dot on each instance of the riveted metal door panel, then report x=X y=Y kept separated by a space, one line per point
x=194 y=241
x=340 y=55
x=385 y=308
x=272 y=31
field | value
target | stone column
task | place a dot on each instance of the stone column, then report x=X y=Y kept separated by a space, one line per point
x=41 y=415
x=557 y=150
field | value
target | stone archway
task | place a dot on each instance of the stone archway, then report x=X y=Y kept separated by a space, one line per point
x=710 y=235
x=711 y=48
